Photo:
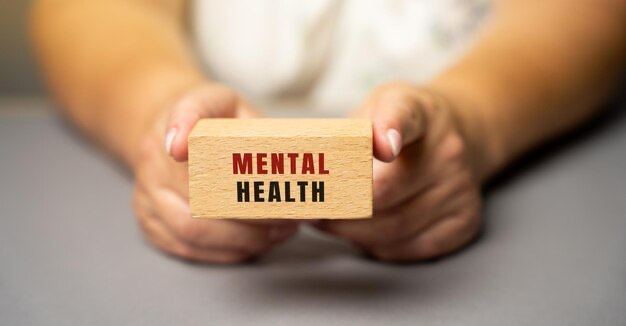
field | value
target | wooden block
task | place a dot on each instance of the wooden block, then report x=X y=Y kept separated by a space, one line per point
x=281 y=168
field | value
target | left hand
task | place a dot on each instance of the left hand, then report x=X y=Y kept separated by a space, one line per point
x=426 y=191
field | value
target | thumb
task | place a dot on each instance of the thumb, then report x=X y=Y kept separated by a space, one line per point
x=398 y=119
x=211 y=101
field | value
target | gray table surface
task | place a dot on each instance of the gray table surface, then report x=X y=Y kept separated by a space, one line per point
x=553 y=251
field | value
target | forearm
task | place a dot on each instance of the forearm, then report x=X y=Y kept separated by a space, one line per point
x=540 y=68
x=112 y=64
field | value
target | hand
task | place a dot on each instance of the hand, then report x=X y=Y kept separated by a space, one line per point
x=161 y=192
x=426 y=192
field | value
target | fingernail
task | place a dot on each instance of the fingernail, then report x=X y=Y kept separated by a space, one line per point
x=169 y=138
x=395 y=140
x=280 y=233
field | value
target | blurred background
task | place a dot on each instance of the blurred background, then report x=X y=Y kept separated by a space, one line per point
x=18 y=76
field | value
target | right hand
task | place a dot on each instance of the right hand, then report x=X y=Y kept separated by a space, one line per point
x=161 y=199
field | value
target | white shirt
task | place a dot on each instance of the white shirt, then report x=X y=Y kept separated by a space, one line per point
x=333 y=52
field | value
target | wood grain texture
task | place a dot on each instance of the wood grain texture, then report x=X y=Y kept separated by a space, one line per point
x=346 y=145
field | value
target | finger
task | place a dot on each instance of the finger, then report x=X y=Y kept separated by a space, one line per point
x=156 y=170
x=398 y=118
x=419 y=168
x=160 y=236
x=205 y=102
x=216 y=233
x=442 y=238
x=401 y=222
x=150 y=181
x=401 y=179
